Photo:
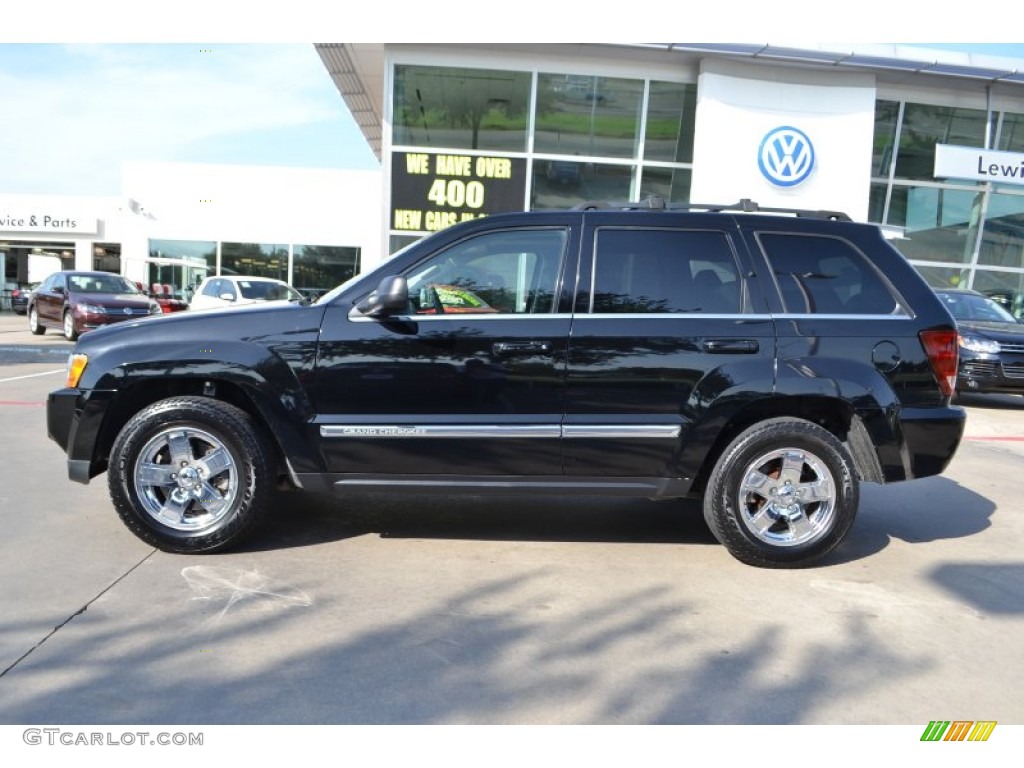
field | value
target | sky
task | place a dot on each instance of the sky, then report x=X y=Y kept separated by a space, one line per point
x=73 y=112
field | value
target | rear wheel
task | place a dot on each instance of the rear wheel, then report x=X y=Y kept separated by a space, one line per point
x=783 y=494
x=33 y=322
x=190 y=475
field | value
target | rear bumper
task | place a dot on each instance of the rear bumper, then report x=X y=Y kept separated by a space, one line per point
x=73 y=421
x=930 y=438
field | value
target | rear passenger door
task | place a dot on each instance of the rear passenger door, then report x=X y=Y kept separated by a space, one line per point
x=664 y=325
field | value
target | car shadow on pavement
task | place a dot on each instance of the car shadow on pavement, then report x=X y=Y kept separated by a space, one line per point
x=305 y=519
x=917 y=512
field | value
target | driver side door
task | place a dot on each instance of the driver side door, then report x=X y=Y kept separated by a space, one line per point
x=468 y=382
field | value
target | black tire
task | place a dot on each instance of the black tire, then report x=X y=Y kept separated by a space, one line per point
x=33 y=322
x=756 y=503
x=69 y=326
x=191 y=475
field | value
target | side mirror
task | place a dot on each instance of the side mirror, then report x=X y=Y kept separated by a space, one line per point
x=390 y=298
x=228 y=296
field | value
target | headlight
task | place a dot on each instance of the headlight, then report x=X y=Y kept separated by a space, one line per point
x=91 y=309
x=154 y=309
x=977 y=344
x=76 y=367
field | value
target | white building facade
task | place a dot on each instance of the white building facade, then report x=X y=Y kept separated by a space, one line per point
x=928 y=143
x=176 y=223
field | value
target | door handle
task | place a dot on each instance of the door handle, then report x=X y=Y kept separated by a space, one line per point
x=509 y=348
x=730 y=346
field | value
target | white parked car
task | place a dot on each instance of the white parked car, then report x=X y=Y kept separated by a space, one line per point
x=238 y=290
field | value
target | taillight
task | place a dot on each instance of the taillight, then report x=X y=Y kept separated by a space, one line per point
x=941 y=348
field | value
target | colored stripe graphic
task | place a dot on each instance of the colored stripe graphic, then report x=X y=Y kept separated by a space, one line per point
x=982 y=730
x=935 y=730
x=958 y=730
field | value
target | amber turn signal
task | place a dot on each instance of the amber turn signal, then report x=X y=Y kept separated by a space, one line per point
x=76 y=367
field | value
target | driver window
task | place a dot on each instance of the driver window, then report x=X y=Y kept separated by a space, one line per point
x=511 y=272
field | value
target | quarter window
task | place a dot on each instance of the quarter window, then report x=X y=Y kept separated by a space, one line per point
x=650 y=271
x=826 y=275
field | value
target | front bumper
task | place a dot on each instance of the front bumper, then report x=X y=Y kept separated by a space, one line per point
x=991 y=373
x=74 y=419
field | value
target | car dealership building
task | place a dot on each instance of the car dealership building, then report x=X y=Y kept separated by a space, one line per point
x=928 y=143
x=177 y=223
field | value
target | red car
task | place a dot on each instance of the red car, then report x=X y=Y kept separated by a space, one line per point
x=76 y=302
x=164 y=296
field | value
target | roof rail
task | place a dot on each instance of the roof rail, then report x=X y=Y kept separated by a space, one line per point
x=745 y=205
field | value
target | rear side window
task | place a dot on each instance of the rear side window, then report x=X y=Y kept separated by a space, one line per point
x=826 y=275
x=657 y=271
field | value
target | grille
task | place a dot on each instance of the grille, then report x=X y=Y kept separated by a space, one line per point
x=1018 y=348
x=1013 y=370
x=980 y=368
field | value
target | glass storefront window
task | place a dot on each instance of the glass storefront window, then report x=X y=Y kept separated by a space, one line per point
x=463 y=108
x=1002 y=242
x=398 y=242
x=318 y=268
x=587 y=115
x=938 y=223
x=671 y=114
x=254 y=260
x=177 y=266
x=1011 y=134
x=939 y=277
x=556 y=186
x=876 y=203
x=886 y=116
x=924 y=126
x=672 y=184
x=1007 y=288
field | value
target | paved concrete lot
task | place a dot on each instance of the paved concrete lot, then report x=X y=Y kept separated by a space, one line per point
x=406 y=610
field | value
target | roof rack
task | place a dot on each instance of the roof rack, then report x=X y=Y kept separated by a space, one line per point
x=745 y=205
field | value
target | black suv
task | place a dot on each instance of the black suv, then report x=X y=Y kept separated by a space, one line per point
x=766 y=363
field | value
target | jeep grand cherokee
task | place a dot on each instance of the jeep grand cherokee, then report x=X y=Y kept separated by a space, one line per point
x=767 y=364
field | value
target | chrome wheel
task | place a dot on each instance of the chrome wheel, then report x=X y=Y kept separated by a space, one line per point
x=787 y=497
x=186 y=478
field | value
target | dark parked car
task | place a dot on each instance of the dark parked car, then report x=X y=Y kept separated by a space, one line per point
x=991 y=343
x=767 y=364
x=19 y=297
x=76 y=302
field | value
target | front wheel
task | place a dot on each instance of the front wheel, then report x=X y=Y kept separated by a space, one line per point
x=33 y=322
x=783 y=494
x=69 y=326
x=190 y=475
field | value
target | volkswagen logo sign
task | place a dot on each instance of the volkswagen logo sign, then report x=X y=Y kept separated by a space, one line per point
x=127 y=310
x=786 y=156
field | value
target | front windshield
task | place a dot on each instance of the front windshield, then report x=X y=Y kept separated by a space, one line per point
x=968 y=306
x=101 y=284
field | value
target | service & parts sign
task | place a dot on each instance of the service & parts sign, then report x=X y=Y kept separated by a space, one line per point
x=431 y=190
